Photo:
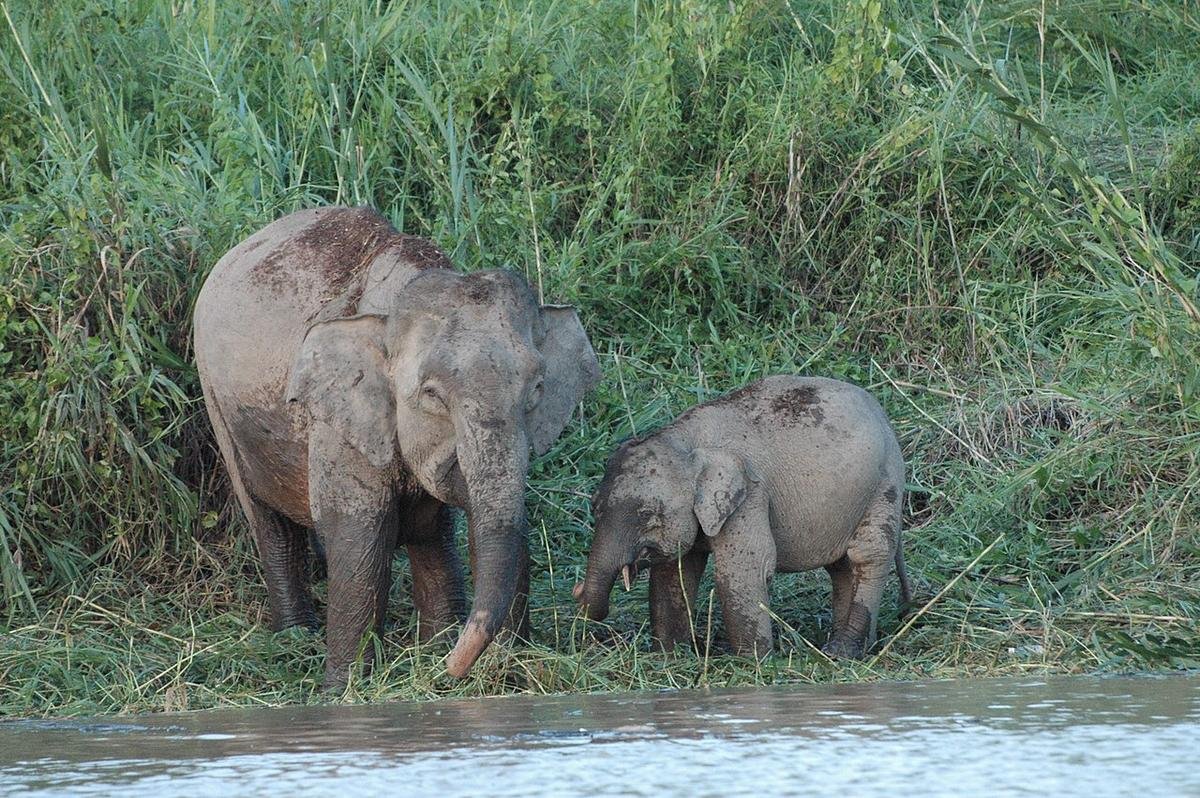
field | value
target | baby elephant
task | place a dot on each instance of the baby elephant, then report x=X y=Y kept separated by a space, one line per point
x=786 y=474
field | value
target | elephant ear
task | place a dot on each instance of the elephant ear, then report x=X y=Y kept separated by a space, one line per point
x=341 y=376
x=571 y=371
x=722 y=483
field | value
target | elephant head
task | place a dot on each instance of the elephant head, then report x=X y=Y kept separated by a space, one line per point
x=463 y=377
x=656 y=496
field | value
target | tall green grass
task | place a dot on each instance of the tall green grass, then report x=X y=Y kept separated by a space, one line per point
x=985 y=213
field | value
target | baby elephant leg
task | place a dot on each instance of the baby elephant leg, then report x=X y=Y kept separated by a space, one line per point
x=743 y=564
x=859 y=578
x=673 y=599
x=745 y=597
x=744 y=555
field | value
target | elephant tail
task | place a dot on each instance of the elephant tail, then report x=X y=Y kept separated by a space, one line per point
x=906 y=594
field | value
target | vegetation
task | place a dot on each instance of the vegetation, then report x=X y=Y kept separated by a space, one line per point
x=986 y=213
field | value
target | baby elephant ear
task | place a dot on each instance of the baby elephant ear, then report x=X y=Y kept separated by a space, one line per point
x=721 y=486
x=341 y=376
x=571 y=371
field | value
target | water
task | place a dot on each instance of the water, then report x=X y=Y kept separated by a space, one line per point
x=1074 y=736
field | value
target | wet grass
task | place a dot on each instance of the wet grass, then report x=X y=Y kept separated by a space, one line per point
x=985 y=213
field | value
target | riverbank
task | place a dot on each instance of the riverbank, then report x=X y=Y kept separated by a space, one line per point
x=987 y=217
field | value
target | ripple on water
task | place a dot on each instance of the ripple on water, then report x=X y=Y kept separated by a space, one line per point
x=1103 y=737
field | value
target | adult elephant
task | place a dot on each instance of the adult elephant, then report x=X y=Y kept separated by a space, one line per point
x=360 y=387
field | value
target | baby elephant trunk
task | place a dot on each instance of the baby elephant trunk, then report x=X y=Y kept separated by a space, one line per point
x=607 y=561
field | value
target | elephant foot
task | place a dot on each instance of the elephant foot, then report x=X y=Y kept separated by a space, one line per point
x=335 y=681
x=337 y=677
x=840 y=647
x=304 y=619
x=677 y=647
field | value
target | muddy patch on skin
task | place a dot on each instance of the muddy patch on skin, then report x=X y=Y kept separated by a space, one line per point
x=339 y=245
x=799 y=405
x=628 y=513
x=627 y=509
x=346 y=240
x=628 y=455
x=890 y=494
x=794 y=406
x=337 y=242
x=421 y=253
x=744 y=399
x=618 y=503
x=505 y=290
x=478 y=291
x=742 y=396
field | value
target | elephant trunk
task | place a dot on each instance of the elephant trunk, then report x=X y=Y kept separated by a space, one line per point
x=493 y=455
x=605 y=562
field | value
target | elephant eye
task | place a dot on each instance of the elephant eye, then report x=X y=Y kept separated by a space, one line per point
x=535 y=394
x=431 y=400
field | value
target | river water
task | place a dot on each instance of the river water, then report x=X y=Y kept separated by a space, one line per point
x=1061 y=736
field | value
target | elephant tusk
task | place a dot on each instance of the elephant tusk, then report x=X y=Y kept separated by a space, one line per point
x=627 y=578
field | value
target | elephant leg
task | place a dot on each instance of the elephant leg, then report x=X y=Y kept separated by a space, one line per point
x=283 y=552
x=281 y=543
x=518 y=616
x=858 y=587
x=355 y=514
x=359 y=559
x=437 y=578
x=744 y=601
x=744 y=564
x=317 y=569
x=842 y=577
x=673 y=599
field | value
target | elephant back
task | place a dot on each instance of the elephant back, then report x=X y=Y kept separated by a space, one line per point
x=262 y=296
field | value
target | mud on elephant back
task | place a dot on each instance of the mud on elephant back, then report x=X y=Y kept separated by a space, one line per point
x=360 y=387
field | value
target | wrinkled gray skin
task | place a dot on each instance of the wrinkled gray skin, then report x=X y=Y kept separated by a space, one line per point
x=786 y=474
x=360 y=387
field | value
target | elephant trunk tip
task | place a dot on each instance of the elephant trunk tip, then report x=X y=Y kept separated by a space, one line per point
x=474 y=639
x=593 y=603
